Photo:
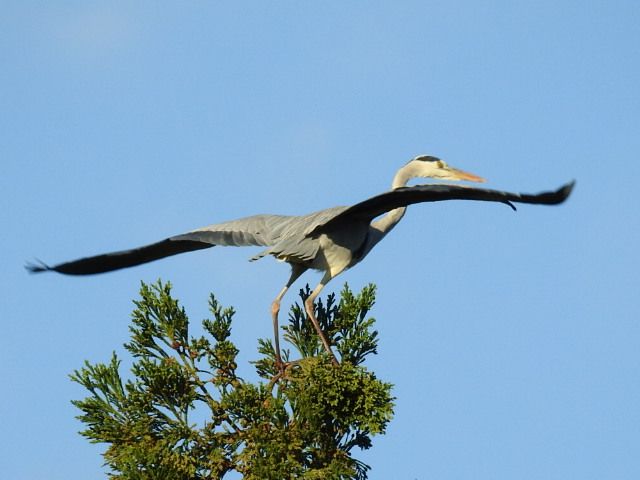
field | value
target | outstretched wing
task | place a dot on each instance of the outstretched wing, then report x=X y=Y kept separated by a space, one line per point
x=121 y=259
x=256 y=230
x=401 y=197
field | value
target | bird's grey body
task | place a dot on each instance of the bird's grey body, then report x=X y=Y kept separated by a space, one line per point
x=288 y=238
x=329 y=240
x=285 y=235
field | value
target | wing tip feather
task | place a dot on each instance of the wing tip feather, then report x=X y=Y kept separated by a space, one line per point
x=37 y=267
x=566 y=189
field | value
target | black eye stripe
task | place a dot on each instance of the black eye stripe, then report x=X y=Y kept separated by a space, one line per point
x=428 y=158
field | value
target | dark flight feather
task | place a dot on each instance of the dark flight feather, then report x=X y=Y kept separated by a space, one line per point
x=122 y=259
x=404 y=196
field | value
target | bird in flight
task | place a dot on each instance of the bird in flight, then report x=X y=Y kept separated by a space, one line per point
x=330 y=240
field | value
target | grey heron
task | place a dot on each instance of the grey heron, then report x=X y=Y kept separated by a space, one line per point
x=330 y=240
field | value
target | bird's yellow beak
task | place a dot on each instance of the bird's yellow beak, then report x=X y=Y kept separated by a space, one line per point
x=462 y=175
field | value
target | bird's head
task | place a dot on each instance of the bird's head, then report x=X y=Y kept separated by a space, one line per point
x=427 y=166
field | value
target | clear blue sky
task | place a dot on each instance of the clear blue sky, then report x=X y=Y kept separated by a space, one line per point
x=512 y=338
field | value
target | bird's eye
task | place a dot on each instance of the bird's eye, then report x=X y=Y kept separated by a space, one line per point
x=440 y=164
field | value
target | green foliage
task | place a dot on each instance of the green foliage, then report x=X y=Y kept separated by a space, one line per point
x=302 y=422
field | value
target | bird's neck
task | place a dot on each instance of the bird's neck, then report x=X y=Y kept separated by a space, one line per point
x=403 y=176
x=386 y=223
x=379 y=228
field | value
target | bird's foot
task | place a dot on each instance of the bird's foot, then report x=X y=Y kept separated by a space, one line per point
x=280 y=365
x=282 y=371
x=334 y=360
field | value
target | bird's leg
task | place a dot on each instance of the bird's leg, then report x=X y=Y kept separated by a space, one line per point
x=275 y=308
x=309 y=308
x=296 y=271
